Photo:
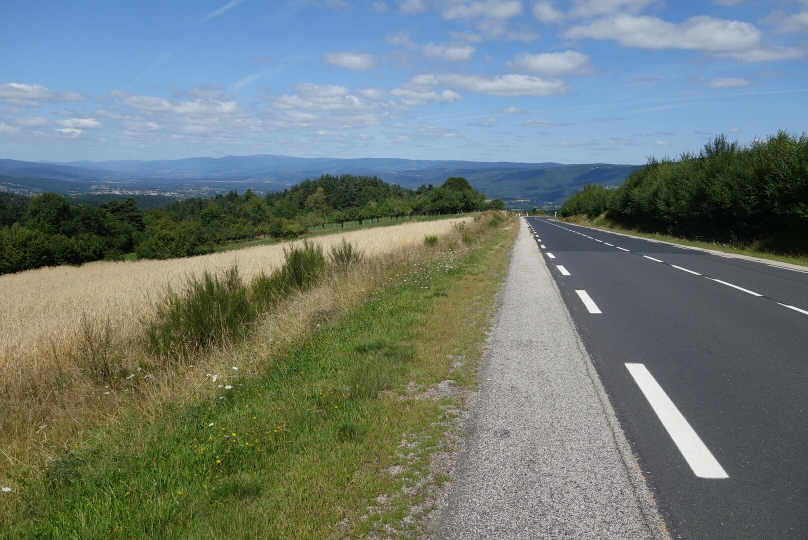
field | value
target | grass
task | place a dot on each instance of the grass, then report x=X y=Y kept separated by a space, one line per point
x=335 y=228
x=606 y=225
x=330 y=438
x=71 y=354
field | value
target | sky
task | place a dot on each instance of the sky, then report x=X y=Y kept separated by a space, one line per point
x=580 y=81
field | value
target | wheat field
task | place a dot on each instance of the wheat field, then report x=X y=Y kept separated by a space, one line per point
x=41 y=310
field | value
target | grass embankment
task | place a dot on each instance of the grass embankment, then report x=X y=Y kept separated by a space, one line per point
x=603 y=223
x=330 y=436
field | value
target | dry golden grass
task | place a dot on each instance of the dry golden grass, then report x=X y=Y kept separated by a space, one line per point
x=48 y=403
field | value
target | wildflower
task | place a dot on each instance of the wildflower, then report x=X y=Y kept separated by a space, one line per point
x=218 y=461
x=5 y=489
x=210 y=425
x=212 y=377
x=228 y=387
x=235 y=368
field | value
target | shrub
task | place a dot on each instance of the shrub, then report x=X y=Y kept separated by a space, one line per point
x=303 y=267
x=430 y=240
x=344 y=255
x=213 y=311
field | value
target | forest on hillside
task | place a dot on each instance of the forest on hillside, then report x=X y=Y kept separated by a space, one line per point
x=727 y=193
x=49 y=229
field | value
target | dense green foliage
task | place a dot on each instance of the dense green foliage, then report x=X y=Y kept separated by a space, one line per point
x=725 y=193
x=49 y=229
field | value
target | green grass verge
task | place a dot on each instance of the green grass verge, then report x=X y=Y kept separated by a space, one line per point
x=600 y=223
x=328 y=442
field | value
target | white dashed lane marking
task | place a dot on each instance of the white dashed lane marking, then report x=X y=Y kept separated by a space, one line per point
x=550 y=255
x=794 y=308
x=734 y=286
x=685 y=270
x=588 y=302
x=653 y=259
x=563 y=270
x=695 y=452
x=622 y=249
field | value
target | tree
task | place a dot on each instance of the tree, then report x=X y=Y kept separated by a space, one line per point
x=316 y=202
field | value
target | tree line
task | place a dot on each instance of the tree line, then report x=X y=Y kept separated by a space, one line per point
x=49 y=229
x=726 y=192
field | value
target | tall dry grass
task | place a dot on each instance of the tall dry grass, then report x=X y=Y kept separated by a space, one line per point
x=58 y=324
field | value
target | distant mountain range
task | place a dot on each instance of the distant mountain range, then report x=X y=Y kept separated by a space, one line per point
x=519 y=184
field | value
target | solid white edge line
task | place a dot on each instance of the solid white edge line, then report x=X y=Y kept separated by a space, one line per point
x=698 y=456
x=735 y=286
x=686 y=270
x=624 y=249
x=564 y=271
x=550 y=255
x=653 y=259
x=794 y=308
x=588 y=302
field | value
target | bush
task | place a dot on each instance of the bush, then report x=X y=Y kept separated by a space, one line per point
x=430 y=240
x=344 y=255
x=212 y=312
x=303 y=267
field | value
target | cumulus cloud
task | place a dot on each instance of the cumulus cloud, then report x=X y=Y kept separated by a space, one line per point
x=31 y=121
x=198 y=117
x=543 y=123
x=552 y=64
x=412 y=6
x=787 y=24
x=596 y=8
x=79 y=123
x=5 y=128
x=452 y=53
x=547 y=13
x=352 y=60
x=380 y=7
x=421 y=90
x=662 y=143
x=490 y=9
x=505 y=85
x=721 y=37
x=327 y=107
x=25 y=95
x=509 y=110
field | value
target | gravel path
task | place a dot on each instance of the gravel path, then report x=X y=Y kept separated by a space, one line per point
x=544 y=455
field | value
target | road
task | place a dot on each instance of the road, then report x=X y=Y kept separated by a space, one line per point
x=705 y=361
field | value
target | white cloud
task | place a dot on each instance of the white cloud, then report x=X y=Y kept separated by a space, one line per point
x=31 y=121
x=452 y=53
x=331 y=107
x=727 y=83
x=203 y=117
x=491 y=9
x=552 y=64
x=662 y=143
x=509 y=110
x=595 y=8
x=73 y=133
x=25 y=95
x=787 y=24
x=433 y=132
x=5 y=128
x=484 y=122
x=226 y=7
x=80 y=123
x=505 y=85
x=380 y=7
x=735 y=130
x=412 y=6
x=543 y=123
x=547 y=13
x=721 y=37
x=352 y=60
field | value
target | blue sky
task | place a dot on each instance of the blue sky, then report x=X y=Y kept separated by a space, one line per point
x=578 y=81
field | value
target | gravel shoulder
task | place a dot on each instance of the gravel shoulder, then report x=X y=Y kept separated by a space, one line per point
x=543 y=453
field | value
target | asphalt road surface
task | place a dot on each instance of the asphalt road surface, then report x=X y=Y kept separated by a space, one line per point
x=705 y=361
